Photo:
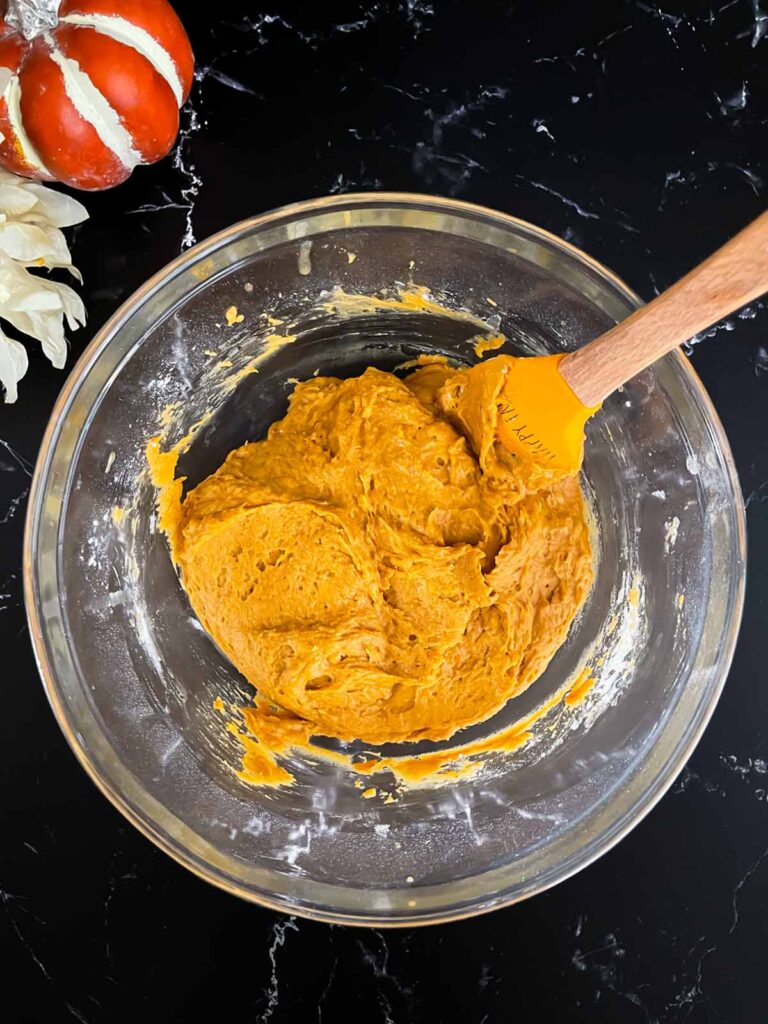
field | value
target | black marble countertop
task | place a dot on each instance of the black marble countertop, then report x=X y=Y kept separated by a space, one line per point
x=639 y=133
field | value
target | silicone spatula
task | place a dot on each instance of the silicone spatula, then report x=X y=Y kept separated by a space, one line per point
x=545 y=401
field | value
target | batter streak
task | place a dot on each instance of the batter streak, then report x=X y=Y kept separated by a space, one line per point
x=380 y=567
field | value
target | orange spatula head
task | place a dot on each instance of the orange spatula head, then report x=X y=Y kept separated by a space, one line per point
x=540 y=419
x=520 y=406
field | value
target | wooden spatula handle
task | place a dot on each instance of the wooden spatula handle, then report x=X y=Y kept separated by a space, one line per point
x=729 y=279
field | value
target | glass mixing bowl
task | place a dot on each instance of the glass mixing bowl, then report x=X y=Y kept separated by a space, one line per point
x=132 y=677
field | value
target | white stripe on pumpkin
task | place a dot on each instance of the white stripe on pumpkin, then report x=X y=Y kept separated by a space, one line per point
x=92 y=106
x=12 y=96
x=123 y=31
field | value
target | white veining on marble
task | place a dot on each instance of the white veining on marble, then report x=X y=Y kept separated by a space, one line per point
x=17 y=461
x=7 y=899
x=185 y=165
x=280 y=929
x=760 y=23
x=328 y=986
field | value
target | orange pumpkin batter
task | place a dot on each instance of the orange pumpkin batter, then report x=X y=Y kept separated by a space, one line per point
x=378 y=567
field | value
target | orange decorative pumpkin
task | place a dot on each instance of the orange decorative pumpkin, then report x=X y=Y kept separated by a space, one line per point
x=91 y=87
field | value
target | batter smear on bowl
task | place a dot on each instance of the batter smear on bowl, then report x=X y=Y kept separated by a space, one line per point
x=381 y=568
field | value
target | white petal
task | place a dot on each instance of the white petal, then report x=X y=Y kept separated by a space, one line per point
x=12 y=277
x=47 y=328
x=31 y=216
x=15 y=200
x=27 y=323
x=70 y=302
x=55 y=208
x=33 y=300
x=38 y=294
x=20 y=289
x=13 y=365
x=21 y=321
x=53 y=341
x=31 y=242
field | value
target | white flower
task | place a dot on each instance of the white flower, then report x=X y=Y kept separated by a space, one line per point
x=31 y=218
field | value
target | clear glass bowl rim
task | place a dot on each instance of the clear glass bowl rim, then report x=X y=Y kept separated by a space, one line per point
x=625 y=809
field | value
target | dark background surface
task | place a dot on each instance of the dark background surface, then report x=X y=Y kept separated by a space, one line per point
x=641 y=135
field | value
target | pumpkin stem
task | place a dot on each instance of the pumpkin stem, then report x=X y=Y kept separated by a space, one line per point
x=32 y=17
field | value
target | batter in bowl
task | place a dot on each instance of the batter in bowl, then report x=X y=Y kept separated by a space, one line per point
x=380 y=568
